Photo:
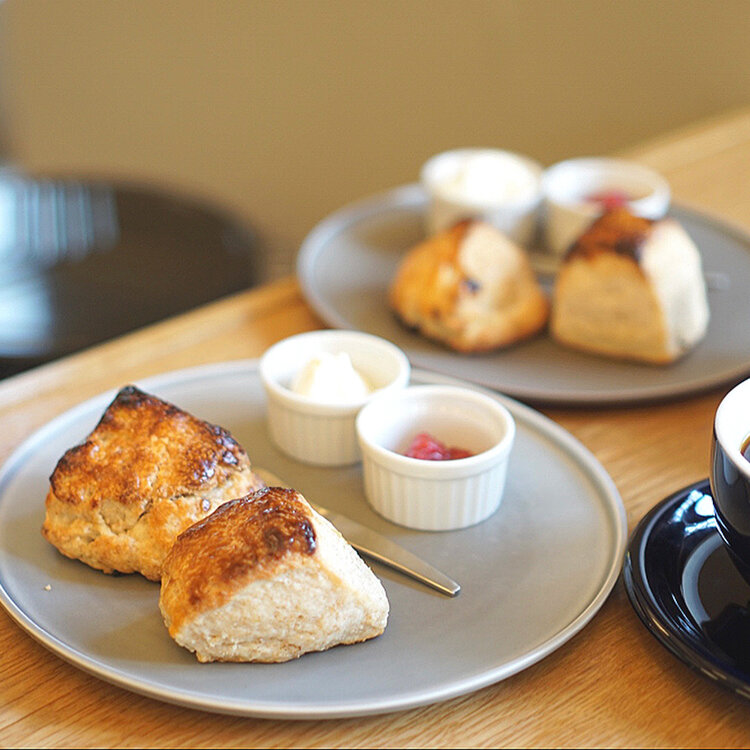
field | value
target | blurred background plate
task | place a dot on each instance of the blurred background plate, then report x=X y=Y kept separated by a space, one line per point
x=347 y=262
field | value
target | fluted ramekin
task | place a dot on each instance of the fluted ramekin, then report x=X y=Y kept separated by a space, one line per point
x=427 y=494
x=567 y=188
x=509 y=200
x=319 y=433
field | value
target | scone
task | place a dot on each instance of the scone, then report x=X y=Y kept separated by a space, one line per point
x=631 y=288
x=266 y=579
x=147 y=471
x=470 y=288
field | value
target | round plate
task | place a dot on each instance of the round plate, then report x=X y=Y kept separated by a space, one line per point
x=347 y=262
x=686 y=590
x=532 y=575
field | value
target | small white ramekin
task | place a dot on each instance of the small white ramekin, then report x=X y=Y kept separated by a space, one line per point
x=323 y=433
x=435 y=495
x=514 y=215
x=565 y=186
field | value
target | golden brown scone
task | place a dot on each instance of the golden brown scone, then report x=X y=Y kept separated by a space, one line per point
x=267 y=579
x=631 y=288
x=469 y=287
x=147 y=471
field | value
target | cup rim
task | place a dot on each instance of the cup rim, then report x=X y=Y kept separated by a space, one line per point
x=731 y=445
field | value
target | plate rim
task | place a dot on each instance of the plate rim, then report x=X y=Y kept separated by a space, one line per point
x=409 y=195
x=605 y=489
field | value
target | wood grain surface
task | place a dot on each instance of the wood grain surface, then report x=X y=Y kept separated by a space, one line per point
x=613 y=684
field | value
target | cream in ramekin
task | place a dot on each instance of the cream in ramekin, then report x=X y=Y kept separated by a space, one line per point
x=500 y=187
x=316 y=431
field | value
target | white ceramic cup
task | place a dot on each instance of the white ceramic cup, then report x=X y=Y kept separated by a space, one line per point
x=501 y=187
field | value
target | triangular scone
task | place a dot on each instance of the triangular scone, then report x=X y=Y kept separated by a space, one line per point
x=469 y=287
x=146 y=473
x=631 y=288
x=265 y=578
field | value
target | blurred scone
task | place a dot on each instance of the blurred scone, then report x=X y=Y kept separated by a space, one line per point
x=267 y=579
x=631 y=288
x=469 y=287
x=147 y=471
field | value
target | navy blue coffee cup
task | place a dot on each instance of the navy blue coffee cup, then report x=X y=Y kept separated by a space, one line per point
x=730 y=474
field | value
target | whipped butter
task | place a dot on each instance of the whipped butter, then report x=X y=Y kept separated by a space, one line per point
x=487 y=177
x=498 y=186
x=331 y=378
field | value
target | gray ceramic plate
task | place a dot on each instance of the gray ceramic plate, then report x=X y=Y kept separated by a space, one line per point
x=346 y=263
x=533 y=575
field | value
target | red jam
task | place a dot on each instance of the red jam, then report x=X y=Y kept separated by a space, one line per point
x=428 y=448
x=609 y=199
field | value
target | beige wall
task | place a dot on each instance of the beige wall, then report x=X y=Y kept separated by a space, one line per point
x=283 y=111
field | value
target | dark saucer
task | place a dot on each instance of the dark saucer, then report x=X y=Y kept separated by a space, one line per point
x=686 y=590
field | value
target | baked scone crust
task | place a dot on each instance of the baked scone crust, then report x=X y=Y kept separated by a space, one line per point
x=147 y=471
x=631 y=288
x=265 y=578
x=469 y=287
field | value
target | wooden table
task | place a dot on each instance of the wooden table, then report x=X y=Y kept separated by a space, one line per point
x=612 y=685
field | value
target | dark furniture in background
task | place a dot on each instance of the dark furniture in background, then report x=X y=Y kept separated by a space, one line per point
x=81 y=262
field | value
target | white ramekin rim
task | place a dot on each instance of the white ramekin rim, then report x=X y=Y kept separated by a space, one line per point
x=304 y=404
x=451 y=469
x=432 y=186
x=653 y=204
